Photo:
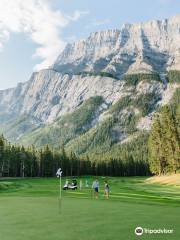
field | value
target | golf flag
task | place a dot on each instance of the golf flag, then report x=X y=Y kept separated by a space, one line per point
x=59 y=173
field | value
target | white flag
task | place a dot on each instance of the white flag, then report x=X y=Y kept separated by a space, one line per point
x=59 y=172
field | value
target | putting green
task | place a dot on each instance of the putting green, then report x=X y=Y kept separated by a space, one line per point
x=29 y=210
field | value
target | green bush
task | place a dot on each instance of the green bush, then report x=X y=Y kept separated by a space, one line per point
x=144 y=102
x=134 y=79
x=173 y=76
x=120 y=105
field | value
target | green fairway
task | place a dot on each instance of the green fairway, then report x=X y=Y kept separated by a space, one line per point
x=29 y=210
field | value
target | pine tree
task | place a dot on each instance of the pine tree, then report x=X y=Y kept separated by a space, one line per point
x=2 y=150
x=156 y=148
x=164 y=143
x=171 y=139
x=48 y=161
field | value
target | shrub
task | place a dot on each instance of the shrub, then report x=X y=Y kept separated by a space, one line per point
x=134 y=79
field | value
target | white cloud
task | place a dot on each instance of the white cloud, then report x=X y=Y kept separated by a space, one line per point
x=77 y=14
x=42 y=23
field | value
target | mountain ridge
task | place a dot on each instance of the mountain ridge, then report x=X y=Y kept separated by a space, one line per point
x=128 y=68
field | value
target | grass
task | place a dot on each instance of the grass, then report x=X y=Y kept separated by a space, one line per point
x=167 y=179
x=29 y=210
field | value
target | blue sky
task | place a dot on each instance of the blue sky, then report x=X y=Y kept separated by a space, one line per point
x=32 y=35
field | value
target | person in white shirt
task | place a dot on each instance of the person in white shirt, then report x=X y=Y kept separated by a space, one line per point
x=80 y=185
x=87 y=183
x=95 y=187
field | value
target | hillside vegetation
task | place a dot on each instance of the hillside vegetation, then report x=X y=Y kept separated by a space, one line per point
x=86 y=128
x=99 y=131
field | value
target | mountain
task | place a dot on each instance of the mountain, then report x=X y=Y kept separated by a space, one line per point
x=101 y=92
x=142 y=47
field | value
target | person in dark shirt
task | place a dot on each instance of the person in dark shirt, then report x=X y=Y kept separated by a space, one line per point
x=106 y=190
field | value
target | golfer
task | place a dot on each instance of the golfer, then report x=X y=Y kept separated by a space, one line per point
x=106 y=190
x=87 y=183
x=80 y=185
x=95 y=187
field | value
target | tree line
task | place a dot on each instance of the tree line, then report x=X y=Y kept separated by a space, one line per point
x=18 y=161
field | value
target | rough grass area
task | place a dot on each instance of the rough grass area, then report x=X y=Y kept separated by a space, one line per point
x=9 y=186
x=31 y=211
x=169 y=180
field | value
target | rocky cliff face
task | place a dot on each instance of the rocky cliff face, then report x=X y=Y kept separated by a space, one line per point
x=142 y=47
x=50 y=94
x=98 y=66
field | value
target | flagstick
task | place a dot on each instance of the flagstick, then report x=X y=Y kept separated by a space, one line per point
x=59 y=174
x=60 y=195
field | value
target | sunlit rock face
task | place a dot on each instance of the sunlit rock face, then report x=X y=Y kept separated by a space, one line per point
x=141 y=47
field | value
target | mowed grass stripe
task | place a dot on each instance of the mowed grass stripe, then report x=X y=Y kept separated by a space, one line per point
x=126 y=196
